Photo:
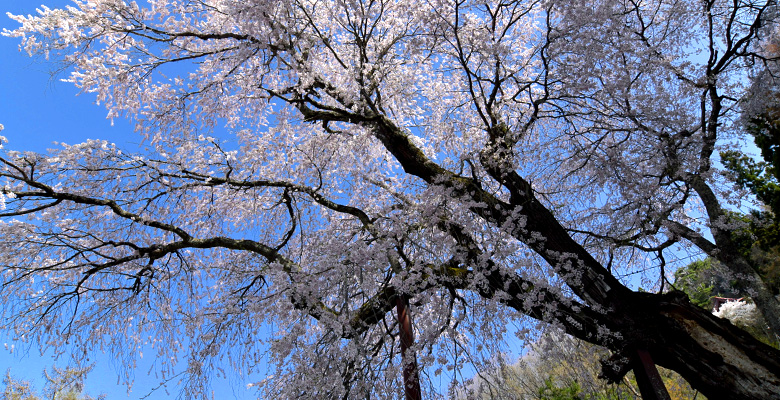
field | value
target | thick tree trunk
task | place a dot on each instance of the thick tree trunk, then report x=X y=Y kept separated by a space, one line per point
x=765 y=301
x=715 y=357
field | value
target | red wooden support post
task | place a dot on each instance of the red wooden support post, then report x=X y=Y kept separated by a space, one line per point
x=411 y=374
x=651 y=386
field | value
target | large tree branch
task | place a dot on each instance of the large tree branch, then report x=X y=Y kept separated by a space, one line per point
x=586 y=276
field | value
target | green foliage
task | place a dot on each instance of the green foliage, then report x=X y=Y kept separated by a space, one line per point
x=757 y=176
x=703 y=279
x=768 y=265
x=759 y=240
x=689 y=280
x=765 y=129
x=762 y=178
x=551 y=392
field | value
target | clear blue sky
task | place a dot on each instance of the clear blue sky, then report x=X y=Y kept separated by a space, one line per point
x=37 y=110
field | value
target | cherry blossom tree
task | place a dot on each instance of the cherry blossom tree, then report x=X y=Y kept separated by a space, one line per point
x=451 y=167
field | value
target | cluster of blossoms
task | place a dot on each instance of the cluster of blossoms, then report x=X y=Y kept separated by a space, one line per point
x=740 y=313
x=475 y=163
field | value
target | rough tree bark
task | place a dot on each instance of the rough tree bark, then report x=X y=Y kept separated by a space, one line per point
x=719 y=360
